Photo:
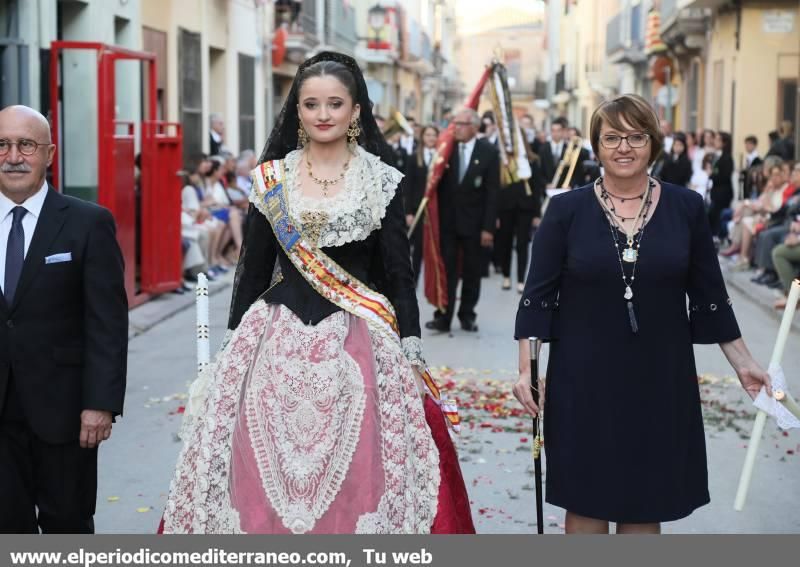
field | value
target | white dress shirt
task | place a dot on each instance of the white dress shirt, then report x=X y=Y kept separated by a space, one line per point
x=33 y=204
x=749 y=158
x=556 y=148
x=427 y=156
x=470 y=145
x=465 y=149
x=407 y=143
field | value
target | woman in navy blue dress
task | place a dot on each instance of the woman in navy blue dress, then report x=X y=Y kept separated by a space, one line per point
x=613 y=264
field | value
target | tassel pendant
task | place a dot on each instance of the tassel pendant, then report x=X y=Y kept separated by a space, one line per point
x=632 y=317
x=628 y=292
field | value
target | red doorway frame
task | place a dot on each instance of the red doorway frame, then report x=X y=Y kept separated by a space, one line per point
x=107 y=191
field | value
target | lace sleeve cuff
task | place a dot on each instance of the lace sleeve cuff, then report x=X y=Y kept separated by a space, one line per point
x=412 y=348
x=226 y=338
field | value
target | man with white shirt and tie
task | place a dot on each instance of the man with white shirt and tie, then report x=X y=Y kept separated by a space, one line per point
x=553 y=150
x=467 y=215
x=63 y=337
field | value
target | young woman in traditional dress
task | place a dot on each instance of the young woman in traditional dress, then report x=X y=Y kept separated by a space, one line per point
x=318 y=415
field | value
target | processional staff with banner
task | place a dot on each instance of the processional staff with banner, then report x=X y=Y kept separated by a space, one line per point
x=515 y=167
x=435 y=276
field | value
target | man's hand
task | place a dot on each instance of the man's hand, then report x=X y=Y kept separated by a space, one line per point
x=409 y=220
x=487 y=239
x=791 y=239
x=95 y=428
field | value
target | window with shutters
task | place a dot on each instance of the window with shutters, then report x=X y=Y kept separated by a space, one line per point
x=190 y=94
x=247 y=102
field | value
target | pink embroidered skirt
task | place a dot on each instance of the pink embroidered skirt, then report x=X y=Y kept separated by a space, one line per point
x=314 y=429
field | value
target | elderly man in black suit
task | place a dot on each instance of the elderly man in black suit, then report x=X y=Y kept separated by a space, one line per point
x=467 y=214
x=63 y=337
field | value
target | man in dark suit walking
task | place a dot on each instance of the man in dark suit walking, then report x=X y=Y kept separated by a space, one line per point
x=552 y=152
x=63 y=337
x=467 y=194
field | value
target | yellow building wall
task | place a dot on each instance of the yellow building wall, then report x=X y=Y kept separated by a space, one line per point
x=169 y=17
x=762 y=59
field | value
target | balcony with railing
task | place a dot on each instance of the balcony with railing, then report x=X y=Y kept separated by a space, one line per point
x=625 y=37
x=341 y=26
x=683 y=24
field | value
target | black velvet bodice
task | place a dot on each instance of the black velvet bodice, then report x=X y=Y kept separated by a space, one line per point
x=381 y=261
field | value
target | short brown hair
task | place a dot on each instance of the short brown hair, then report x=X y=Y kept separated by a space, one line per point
x=632 y=109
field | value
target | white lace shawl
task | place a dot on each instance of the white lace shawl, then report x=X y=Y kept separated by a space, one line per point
x=353 y=213
x=358 y=209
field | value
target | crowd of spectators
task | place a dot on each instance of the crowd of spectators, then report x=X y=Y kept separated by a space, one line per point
x=214 y=203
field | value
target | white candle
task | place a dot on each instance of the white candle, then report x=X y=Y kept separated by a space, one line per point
x=761 y=417
x=203 y=347
x=786 y=322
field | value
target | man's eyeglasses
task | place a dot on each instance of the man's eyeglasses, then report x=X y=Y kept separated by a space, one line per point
x=25 y=147
x=613 y=141
x=463 y=123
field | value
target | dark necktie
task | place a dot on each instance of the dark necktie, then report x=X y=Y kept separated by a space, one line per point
x=462 y=163
x=15 y=254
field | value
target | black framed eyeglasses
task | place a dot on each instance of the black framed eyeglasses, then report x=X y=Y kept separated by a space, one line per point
x=26 y=147
x=613 y=141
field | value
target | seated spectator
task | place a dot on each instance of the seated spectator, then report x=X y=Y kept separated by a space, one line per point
x=239 y=191
x=195 y=241
x=786 y=258
x=780 y=223
x=790 y=188
x=677 y=168
x=749 y=217
x=221 y=207
x=193 y=204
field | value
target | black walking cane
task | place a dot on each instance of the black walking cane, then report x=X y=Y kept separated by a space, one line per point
x=537 y=435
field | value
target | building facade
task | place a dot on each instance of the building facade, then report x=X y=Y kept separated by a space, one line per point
x=738 y=65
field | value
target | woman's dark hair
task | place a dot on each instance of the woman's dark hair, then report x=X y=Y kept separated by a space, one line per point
x=727 y=142
x=215 y=165
x=334 y=69
x=702 y=139
x=421 y=145
x=283 y=138
x=679 y=137
x=194 y=161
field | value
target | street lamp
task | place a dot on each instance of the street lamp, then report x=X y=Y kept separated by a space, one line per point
x=376 y=16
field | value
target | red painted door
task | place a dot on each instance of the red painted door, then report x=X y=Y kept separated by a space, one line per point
x=161 y=184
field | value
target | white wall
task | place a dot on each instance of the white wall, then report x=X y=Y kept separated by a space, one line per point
x=94 y=20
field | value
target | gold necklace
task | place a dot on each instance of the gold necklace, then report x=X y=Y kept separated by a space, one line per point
x=326 y=182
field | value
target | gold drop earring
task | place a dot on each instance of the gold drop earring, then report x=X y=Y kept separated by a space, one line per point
x=353 y=132
x=302 y=136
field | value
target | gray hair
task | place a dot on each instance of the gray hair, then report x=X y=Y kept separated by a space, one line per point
x=474 y=117
x=215 y=117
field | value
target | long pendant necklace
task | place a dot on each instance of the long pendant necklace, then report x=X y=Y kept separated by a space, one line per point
x=634 y=243
x=630 y=254
x=326 y=182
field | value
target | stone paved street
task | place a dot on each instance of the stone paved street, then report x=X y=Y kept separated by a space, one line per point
x=136 y=464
